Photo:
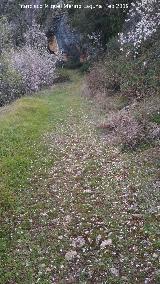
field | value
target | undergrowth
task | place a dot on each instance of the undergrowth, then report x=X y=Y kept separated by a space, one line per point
x=126 y=89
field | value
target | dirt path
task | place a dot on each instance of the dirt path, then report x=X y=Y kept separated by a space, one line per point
x=84 y=222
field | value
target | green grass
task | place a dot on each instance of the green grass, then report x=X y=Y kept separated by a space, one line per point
x=156 y=118
x=22 y=125
x=23 y=152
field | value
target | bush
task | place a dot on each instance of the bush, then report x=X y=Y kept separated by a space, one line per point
x=127 y=89
x=11 y=81
x=103 y=79
x=6 y=36
x=126 y=129
x=27 y=69
x=85 y=67
x=120 y=71
x=63 y=75
x=72 y=64
x=35 y=38
x=36 y=69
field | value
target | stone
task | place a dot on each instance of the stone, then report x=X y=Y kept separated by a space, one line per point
x=106 y=243
x=78 y=242
x=114 y=271
x=70 y=255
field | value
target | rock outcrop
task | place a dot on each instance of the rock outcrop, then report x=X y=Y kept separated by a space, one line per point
x=63 y=39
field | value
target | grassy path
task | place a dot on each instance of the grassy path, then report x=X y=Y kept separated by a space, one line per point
x=73 y=209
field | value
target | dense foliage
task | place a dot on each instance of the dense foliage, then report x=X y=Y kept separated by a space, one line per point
x=25 y=69
x=142 y=22
x=16 y=18
x=100 y=24
x=6 y=35
x=127 y=88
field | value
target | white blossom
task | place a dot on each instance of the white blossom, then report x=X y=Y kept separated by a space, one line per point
x=142 y=22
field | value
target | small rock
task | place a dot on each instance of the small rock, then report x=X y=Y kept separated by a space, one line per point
x=90 y=240
x=155 y=255
x=78 y=242
x=154 y=132
x=124 y=278
x=106 y=243
x=70 y=255
x=87 y=191
x=68 y=218
x=98 y=238
x=114 y=271
x=137 y=216
x=60 y=237
x=42 y=265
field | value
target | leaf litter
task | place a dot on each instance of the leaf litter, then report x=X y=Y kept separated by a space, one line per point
x=93 y=219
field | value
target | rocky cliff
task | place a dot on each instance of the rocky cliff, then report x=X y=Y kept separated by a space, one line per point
x=62 y=39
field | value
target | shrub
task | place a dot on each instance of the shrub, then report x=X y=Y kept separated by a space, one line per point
x=153 y=131
x=36 y=69
x=85 y=67
x=72 y=64
x=35 y=38
x=141 y=23
x=104 y=79
x=156 y=117
x=121 y=72
x=11 y=81
x=6 y=37
x=27 y=69
x=63 y=75
x=127 y=130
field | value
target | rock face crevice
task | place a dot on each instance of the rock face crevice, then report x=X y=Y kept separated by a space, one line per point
x=63 y=39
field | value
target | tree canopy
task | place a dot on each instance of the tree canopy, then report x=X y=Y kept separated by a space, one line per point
x=99 y=24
